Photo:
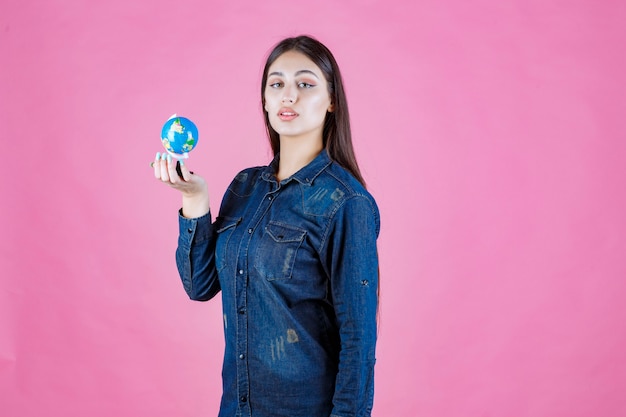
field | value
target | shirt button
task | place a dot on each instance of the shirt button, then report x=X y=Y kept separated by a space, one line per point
x=269 y=198
x=189 y=230
x=241 y=272
x=242 y=311
x=242 y=356
x=250 y=231
x=243 y=399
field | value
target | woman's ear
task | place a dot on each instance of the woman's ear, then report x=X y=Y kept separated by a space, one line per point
x=331 y=108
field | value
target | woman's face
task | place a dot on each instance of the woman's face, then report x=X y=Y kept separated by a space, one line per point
x=296 y=97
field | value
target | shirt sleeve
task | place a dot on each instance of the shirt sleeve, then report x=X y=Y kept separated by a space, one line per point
x=195 y=257
x=354 y=286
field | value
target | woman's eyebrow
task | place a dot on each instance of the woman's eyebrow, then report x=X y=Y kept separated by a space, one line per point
x=280 y=74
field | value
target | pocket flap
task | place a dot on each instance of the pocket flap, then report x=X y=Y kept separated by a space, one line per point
x=284 y=233
x=225 y=223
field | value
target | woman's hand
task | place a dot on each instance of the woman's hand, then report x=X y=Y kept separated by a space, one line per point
x=192 y=187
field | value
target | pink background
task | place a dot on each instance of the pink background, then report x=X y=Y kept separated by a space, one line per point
x=491 y=133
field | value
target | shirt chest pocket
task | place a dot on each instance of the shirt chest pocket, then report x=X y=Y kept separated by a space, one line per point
x=225 y=228
x=277 y=250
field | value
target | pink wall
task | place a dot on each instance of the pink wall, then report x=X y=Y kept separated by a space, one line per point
x=491 y=133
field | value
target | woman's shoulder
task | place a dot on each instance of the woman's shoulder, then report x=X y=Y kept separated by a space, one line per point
x=246 y=180
x=347 y=182
x=247 y=174
x=334 y=187
x=351 y=197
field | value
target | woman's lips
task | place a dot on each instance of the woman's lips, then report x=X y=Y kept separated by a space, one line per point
x=286 y=114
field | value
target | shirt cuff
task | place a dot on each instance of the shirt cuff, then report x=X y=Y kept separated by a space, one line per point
x=193 y=231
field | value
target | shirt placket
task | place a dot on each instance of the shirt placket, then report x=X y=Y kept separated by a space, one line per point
x=266 y=195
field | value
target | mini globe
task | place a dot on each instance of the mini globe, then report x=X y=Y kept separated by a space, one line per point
x=179 y=136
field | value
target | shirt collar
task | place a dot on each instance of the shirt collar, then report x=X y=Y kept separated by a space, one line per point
x=304 y=176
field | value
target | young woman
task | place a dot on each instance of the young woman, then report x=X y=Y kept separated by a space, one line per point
x=293 y=251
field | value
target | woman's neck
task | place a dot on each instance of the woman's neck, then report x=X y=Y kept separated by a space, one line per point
x=295 y=155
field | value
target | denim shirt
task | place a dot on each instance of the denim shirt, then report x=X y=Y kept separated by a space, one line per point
x=297 y=265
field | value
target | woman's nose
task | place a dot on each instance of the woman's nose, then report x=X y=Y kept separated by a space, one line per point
x=289 y=95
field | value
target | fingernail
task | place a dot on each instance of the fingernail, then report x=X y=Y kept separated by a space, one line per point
x=182 y=163
x=158 y=156
x=169 y=158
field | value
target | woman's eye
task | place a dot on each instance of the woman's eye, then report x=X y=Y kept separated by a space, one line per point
x=305 y=85
x=275 y=85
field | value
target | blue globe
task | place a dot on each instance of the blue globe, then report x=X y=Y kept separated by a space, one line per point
x=179 y=135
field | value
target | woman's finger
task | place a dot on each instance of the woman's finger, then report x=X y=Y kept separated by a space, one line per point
x=164 y=174
x=156 y=165
x=171 y=176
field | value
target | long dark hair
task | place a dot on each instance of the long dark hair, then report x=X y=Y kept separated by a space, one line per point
x=336 y=135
